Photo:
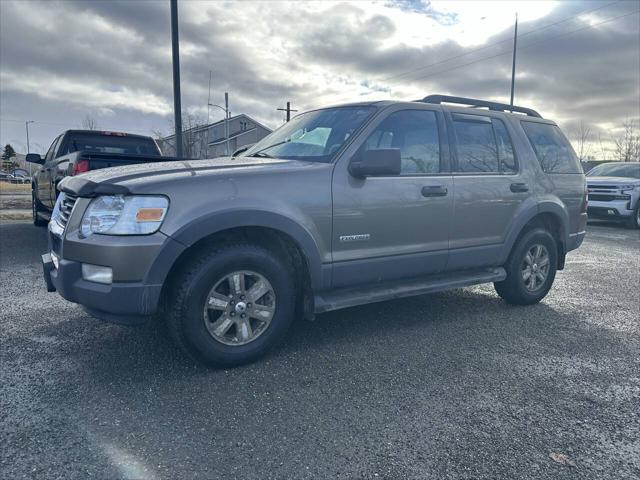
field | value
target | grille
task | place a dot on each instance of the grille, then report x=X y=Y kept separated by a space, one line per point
x=66 y=207
x=602 y=197
x=603 y=187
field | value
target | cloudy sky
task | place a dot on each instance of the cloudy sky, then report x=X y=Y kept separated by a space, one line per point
x=578 y=61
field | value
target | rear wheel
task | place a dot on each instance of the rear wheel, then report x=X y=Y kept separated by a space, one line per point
x=531 y=269
x=35 y=211
x=232 y=305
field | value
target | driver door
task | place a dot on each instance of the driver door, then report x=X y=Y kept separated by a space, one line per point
x=394 y=227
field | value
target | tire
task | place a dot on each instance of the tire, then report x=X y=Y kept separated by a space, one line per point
x=192 y=325
x=35 y=211
x=515 y=289
x=634 y=220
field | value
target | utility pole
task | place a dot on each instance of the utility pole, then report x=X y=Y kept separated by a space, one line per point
x=175 y=50
x=226 y=121
x=26 y=125
x=513 y=65
x=288 y=110
x=209 y=101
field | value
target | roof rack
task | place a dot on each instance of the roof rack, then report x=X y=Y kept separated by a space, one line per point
x=500 y=107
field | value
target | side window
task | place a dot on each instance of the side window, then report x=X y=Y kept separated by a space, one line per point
x=415 y=134
x=52 y=148
x=505 y=147
x=553 y=150
x=476 y=145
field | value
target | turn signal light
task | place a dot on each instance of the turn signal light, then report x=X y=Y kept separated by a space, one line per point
x=150 y=214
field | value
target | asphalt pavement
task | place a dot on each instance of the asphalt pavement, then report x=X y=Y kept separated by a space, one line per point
x=452 y=385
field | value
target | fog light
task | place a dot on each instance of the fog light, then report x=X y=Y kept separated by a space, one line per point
x=96 y=273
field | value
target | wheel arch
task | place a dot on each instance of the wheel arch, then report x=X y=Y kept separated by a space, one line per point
x=285 y=237
x=549 y=215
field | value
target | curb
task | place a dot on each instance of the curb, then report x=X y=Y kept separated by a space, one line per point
x=15 y=214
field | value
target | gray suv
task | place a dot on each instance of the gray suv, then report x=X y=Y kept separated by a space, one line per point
x=341 y=206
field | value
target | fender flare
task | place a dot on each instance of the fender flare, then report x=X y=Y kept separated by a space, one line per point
x=554 y=208
x=210 y=224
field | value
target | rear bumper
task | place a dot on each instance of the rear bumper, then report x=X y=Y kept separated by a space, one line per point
x=125 y=302
x=575 y=240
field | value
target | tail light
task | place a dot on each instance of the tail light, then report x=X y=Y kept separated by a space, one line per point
x=585 y=201
x=80 y=166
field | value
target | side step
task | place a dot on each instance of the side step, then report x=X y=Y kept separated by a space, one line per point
x=334 y=300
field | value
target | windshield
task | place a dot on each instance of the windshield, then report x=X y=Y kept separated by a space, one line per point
x=314 y=136
x=630 y=170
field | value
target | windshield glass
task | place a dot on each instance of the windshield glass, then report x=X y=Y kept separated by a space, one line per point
x=314 y=136
x=630 y=170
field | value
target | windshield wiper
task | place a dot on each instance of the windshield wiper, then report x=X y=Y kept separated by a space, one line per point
x=260 y=153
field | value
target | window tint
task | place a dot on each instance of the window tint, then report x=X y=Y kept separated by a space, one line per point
x=476 y=146
x=505 y=147
x=551 y=147
x=415 y=134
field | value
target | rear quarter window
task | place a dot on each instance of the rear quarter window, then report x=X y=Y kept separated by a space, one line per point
x=553 y=150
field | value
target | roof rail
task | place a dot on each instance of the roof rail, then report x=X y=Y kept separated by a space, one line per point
x=501 y=107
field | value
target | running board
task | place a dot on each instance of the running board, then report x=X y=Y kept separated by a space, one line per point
x=334 y=300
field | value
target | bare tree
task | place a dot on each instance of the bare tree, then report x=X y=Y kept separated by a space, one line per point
x=582 y=141
x=604 y=153
x=89 y=122
x=194 y=136
x=627 y=145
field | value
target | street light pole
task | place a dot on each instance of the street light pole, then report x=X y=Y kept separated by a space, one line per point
x=513 y=64
x=26 y=126
x=226 y=121
x=227 y=114
x=175 y=50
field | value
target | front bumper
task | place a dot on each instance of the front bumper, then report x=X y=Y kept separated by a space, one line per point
x=125 y=302
x=613 y=209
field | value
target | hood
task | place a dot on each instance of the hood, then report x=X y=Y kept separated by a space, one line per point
x=613 y=181
x=116 y=180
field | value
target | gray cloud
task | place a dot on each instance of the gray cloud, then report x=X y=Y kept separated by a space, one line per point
x=59 y=61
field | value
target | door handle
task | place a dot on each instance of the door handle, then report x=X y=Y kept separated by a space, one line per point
x=519 y=187
x=434 y=191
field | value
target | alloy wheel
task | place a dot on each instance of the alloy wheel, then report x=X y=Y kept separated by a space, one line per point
x=239 y=308
x=535 y=267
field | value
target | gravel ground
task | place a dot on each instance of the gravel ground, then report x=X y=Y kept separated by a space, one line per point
x=451 y=385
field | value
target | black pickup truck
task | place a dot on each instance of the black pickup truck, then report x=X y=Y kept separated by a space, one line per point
x=77 y=151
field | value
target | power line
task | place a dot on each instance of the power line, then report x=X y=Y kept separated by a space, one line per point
x=522 y=48
x=566 y=19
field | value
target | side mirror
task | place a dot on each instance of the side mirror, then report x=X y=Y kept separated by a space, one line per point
x=34 y=158
x=380 y=162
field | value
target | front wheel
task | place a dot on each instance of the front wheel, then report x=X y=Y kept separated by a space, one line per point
x=231 y=305
x=634 y=220
x=35 y=211
x=531 y=269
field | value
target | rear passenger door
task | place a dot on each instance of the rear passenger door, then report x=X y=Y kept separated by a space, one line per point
x=489 y=187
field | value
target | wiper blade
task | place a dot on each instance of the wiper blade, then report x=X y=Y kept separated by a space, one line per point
x=260 y=153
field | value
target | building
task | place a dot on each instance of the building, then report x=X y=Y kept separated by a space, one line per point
x=209 y=141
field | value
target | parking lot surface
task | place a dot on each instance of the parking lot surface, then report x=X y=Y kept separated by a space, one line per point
x=450 y=385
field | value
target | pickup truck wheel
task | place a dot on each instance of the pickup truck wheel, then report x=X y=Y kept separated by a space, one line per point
x=232 y=305
x=634 y=220
x=35 y=211
x=531 y=269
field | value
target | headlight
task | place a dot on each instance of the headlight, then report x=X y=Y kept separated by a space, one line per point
x=629 y=190
x=120 y=215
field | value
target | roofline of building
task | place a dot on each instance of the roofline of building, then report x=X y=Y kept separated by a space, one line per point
x=219 y=122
